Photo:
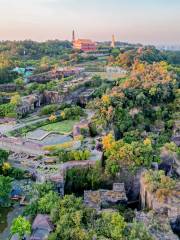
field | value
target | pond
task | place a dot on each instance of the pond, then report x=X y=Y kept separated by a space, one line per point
x=53 y=139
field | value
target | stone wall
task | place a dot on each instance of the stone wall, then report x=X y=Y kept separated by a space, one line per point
x=170 y=205
x=9 y=87
x=105 y=198
x=19 y=145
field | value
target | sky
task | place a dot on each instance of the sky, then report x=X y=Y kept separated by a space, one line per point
x=137 y=21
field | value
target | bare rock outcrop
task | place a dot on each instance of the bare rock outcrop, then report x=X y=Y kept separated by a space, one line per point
x=157 y=224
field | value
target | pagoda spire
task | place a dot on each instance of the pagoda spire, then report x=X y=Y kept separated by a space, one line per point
x=113 y=41
x=73 y=36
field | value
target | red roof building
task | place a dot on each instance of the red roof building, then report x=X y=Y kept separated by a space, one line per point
x=85 y=45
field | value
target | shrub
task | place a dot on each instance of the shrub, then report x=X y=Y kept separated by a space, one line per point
x=76 y=155
x=156 y=180
x=49 y=109
x=139 y=232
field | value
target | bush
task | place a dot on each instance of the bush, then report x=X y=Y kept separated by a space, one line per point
x=49 y=109
x=80 y=179
x=72 y=112
x=157 y=180
x=77 y=155
x=139 y=232
x=16 y=173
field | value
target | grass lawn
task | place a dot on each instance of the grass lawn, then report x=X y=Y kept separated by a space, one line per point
x=63 y=127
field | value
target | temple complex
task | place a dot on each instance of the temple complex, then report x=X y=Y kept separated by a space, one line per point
x=86 y=45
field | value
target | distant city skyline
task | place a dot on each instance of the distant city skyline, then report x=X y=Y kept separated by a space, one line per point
x=135 y=21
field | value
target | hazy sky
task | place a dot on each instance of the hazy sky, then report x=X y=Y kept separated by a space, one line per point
x=145 y=21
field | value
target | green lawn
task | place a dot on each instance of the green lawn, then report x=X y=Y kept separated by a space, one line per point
x=63 y=127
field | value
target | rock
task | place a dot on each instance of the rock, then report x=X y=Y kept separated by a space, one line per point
x=175 y=225
x=157 y=224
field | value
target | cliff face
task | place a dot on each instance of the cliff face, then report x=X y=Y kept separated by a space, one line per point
x=168 y=205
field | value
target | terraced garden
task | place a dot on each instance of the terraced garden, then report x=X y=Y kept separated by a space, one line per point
x=63 y=127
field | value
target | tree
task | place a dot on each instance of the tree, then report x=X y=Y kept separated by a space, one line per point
x=52 y=118
x=15 y=100
x=41 y=189
x=123 y=120
x=5 y=189
x=139 y=231
x=111 y=225
x=21 y=227
x=71 y=219
x=47 y=202
x=3 y=156
x=19 y=82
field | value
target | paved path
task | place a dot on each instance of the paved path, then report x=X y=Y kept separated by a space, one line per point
x=6 y=128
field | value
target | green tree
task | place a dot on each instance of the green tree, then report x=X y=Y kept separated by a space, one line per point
x=47 y=202
x=139 y=232
x=16 y=100
x=5 y=189
x=21 y=227
x=3 y=156
x=111 y=226
x=19 y=82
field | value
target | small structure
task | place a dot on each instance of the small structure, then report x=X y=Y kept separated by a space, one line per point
x=29 y=103
x=42 y=227
x=16 y=193
x=106 y=198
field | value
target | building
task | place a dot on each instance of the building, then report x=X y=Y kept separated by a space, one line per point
x=86 y=45
x=29 y=104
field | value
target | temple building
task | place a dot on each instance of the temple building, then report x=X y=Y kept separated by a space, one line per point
x=86 y=45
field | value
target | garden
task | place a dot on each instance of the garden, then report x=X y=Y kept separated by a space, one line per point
x=64 y=127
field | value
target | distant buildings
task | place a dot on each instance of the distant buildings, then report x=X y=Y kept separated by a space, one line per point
x=86 y=45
